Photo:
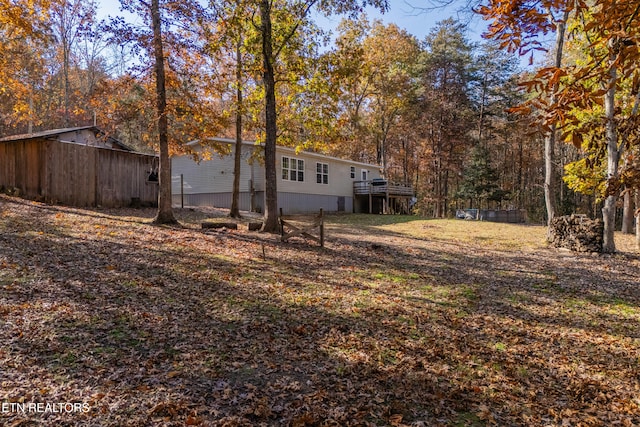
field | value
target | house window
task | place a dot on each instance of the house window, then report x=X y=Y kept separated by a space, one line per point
x=353 y=172
x=365 y=175
x=322 y=173
x=292 y=169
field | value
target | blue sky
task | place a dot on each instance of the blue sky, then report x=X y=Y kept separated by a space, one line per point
x=415 y=16
x=404 y=13
x=412 y=16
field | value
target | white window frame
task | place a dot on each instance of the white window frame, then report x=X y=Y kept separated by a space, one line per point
x=353 y=172
x=292 y=169
x=364 y=174
x=322 y=173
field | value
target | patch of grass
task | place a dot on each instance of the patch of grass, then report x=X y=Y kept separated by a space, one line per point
x=468 y=419
x=102 y=349
x=366 y=220
x=469 y=292
x=481 y=234
x=623 y=308
x=68 y=359
x=519 y=297
x=575 y=303
x=387 y=357
x=393 y=276
x=500 y=346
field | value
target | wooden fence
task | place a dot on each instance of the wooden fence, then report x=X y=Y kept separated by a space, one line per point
x=77 y=175
x=302 y=226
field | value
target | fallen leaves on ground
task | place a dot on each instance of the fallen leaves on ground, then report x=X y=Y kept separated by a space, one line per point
x=413 y=322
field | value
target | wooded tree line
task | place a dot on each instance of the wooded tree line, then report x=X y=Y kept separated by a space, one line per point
x=448 y=116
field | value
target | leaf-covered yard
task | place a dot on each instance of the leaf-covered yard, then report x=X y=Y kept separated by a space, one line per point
x=398 y=321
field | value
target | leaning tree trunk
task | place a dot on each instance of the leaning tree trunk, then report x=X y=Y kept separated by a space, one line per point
x=271 y=192
x=165 y=212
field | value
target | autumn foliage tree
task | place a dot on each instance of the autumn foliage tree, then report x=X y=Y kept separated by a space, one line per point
x=272 y=46
x=613 y=31
x=379 y=96
x=22 y=29
x=171 y=46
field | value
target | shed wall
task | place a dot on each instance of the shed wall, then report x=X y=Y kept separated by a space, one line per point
x=76 y=175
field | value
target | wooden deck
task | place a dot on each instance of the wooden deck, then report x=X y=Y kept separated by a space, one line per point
x=390 y=198
x=381 y=188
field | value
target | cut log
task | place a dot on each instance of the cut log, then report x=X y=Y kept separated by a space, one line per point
x=254 y=226
x=227 y=225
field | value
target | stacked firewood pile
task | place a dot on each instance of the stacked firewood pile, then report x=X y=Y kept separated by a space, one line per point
x=577 y=233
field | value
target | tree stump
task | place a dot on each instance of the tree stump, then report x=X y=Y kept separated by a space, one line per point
x=577 y=233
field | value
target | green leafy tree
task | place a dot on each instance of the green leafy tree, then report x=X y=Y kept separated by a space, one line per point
x=480 y=179
x=448 y=113
x=584 y=177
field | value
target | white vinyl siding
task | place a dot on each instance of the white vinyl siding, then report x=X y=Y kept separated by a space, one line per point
x=214 y=175
x=338 y=184
x=292 y=169
x=322 y=173
x=210 y=182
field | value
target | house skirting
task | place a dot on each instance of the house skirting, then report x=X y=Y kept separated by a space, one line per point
x=218 y=200
x=295 y=203
x=291 y=203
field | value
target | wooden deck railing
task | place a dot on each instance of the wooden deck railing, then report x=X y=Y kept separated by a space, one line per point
x=381 y=188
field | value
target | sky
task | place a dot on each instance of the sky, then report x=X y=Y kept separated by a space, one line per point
x=407 y=14
x=415 y=16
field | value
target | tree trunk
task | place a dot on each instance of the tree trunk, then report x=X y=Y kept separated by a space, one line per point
x=483 y=100
x=271 y=191
x=609 y=209
x=638 y=220
x=627 y=213
x=550 y=138
x=65 y=68
x=237 y=161
x=165 y=212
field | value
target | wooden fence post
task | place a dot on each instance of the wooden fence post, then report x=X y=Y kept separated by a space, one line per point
x=321 y=229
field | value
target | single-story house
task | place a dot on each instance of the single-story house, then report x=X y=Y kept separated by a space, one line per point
x=78 y=166
x=307 y=181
